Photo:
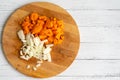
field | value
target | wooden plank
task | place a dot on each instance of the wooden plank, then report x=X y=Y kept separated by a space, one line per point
x=60 y=78
x=84 y=18
x=99 y=51
x=3 y=60
x=71 y=4
x=99 y=34
x=96 y=18
x=4 y=15
x=100 y=68
x=90 y=51
x=79 y=68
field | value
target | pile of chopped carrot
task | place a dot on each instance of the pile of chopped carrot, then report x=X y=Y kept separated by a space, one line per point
x=45 y=27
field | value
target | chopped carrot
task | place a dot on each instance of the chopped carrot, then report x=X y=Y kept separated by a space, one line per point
x=51 y=39
x=43 y=18
x=55 y=41
x=33 y=22
x=49 y=28
x=25 y=24
x=42 y=37
x=49 y=32
x=37 y=28
x=34 y=16
x=31 y=26
x=27 y=19
x=47 y=24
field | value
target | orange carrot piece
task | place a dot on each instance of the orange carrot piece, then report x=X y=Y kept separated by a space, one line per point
x=55 y=41
x=42 y=37
x=43 y=18
x=58 y=36
x=34 y=16
x=26 y=30
x=51 y=39
x=27 y=19
x=25 y=24
x=37 y=28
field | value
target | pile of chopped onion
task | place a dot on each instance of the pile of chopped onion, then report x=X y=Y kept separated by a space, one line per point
x=34 y=47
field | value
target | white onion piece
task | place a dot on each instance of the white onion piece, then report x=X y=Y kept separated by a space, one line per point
x=36 y=41
x=49 y=45
x=49 y=57
x=21 y=35
x=47 y=50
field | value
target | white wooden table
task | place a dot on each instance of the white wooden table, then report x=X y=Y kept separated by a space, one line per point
x=99 y=54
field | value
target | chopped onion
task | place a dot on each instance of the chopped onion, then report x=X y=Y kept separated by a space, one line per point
x=21 y=35
x=34 y=47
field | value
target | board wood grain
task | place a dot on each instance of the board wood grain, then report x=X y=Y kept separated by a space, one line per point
x=62 y=55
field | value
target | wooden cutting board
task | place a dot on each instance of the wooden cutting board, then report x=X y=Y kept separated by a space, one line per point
x=62 y=55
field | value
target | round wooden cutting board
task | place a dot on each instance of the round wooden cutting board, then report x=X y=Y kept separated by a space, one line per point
x=62 y=55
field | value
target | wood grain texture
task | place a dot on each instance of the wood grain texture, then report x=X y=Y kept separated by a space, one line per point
x=62 y=55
